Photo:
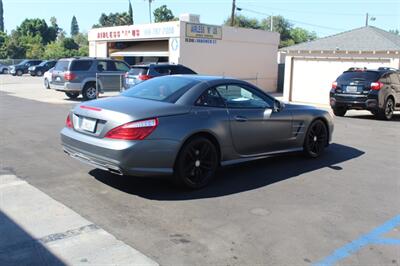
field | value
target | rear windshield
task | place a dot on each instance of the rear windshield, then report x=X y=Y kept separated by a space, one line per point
x=81 y=65
x=43 y=63
x=138 y=71
x=164 y=89
x=362 y=76
x=62 y=65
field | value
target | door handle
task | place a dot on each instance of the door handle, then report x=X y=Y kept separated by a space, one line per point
x=240 y=118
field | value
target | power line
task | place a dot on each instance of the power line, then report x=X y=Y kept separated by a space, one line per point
x=295 y=21
x=319 y=13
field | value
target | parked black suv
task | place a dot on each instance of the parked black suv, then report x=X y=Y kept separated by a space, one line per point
x=22 y=68
x=363 y=89
x=145 y=71
x=41 y=68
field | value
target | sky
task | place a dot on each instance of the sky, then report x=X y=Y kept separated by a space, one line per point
x=325 y=17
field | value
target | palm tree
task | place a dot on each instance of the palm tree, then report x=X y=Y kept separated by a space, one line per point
x=150 y=1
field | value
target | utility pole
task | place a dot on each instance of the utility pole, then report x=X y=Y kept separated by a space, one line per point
x=150 y=8
x=233 y=12
x=271 y=26
x=366 y=20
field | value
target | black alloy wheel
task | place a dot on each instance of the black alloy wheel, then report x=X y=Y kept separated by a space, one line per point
x=197 y=163
x=316 y=139
x=387 y=112
x=339 y=111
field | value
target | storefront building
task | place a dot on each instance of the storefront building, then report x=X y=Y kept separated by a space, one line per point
x=207 y=49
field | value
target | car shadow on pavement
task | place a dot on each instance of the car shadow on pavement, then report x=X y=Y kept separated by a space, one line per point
x=233 y=179
x=395 y=118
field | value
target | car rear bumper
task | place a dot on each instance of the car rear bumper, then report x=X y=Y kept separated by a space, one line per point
x=66 y=87
x=354 y=102
x=136 y=158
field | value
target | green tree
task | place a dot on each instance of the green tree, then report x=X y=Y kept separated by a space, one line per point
x=243 y=22
x=32 y=27
x=3 y=40
x=33 y=46
x=299 y=35
x=1 y=16
x=74 y=26
x=13 y=48
x=163 y=14
x=69 y=44
x=113 y=19
x=130 y=13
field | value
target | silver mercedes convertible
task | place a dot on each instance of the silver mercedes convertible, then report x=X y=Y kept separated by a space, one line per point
x=187 y=126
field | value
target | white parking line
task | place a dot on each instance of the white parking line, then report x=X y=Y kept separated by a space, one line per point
x=36 y=229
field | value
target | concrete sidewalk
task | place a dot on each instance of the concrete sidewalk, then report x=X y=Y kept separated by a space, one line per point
x=37 y=230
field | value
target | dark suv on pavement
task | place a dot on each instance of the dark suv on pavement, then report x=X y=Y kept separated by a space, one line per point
x=22 y=68
x=142 y=72
x=88 y=76
x=40 y=69
x=363 y=89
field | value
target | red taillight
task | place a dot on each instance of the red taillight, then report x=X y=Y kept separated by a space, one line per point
x=68 y=122
x=376 y=86
x=144 y=77
x=68 y=76
x=334 y=85
x=138 y=130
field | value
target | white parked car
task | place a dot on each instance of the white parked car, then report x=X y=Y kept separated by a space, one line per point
x=47 y=76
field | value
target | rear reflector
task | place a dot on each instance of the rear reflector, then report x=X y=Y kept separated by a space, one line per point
x=144 y=77
x=138 y=130
x=90 y=108
x=376 y=86
x=68 y=122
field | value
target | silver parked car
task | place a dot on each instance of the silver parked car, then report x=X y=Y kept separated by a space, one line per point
x=3 y=69
x=186 y=126
x=76 y=76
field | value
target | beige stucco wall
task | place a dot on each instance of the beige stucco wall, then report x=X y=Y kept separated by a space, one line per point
x=242 y=53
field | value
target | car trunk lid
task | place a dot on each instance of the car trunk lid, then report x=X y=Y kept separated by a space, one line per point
x=97 y=117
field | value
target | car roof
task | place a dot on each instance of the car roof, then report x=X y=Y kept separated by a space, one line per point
x=381 y=70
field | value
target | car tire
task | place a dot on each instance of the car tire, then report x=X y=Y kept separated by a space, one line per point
x=315 y=139
x=339 y=111
x=39 y=73
x=386 y=113
x=19 y=73
x=89 y=92
x=196 y=163
x=72 y=95
x=46 y=83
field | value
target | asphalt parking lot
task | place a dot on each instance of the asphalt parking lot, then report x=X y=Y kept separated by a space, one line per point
x=342 y=208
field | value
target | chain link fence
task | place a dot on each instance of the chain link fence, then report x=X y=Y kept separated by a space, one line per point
x=109 y=82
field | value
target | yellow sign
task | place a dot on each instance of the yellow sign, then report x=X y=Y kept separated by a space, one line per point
x=194 y=30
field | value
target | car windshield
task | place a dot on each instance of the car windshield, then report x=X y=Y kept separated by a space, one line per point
x=164 y=89
x=363 y=76
x=43 y=63
x=23 y=62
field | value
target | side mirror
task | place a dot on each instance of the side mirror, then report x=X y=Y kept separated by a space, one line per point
x=278 y=106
